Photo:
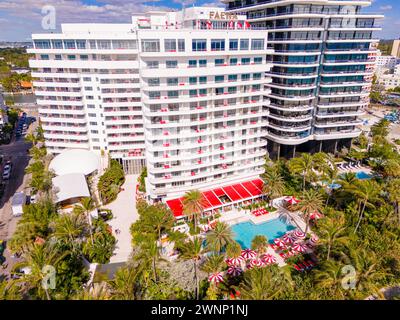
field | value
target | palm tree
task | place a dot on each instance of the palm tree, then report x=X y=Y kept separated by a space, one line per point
x=330 y=278
x=193 y=250
x=233 y=250
x=123 y=286
x=265 y=283
x=10 y=290
x=310 y=201
x=31 y=138
x=302 y=165
x=213 y=264
x=97 y=291
x=37 y=258
x=193 y=205
x=367 y=192
x=274 y=185
x=259 y=243
x=332 y=232
x=393 y=189
x=391 y=169
x=219 y=237
x=86 y=206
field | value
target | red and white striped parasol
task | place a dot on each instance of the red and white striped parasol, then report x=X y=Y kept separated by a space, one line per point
x=234 y=271
x=299 y=234
x=288 y=238
x=256 y=263
x=316 y=215
x=292 y=200
x=268 y=258
x=216 y=278
x=248 y=254
x=314 y=239
x=279 y=242
x=235 y=261
x=300 y=247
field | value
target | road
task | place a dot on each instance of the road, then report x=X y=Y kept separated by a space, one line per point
x=16 y=151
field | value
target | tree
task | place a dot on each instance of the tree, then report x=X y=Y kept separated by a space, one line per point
x=302 y=165
x=193 y=205
x=124 y=284
x=233 y=250
x=330 y=277
x=332 y=232
x=110 y=182
x=367 y=192
x=274 y=185
x=193 y=250
x=310 y=201
x=259 y=243
x=219 y=237
x=86 y=206
x=393 y=189
x=381 y=128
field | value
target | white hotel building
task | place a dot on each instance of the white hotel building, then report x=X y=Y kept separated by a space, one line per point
x=166 y=92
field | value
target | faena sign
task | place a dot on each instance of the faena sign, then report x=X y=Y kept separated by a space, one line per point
x=222 y=15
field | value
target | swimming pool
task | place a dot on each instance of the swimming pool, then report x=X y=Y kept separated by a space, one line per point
x=244 y=232
x=363 y=175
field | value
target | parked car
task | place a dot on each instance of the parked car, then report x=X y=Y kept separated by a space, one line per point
x=6 y=171
x=32 y=198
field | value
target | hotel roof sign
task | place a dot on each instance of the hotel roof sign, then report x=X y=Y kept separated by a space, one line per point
x=215 y=15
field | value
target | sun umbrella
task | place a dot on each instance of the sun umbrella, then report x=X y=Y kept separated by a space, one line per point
x=268 y=258
x=292 y=200
x=248 y=253
x=279 y=242
x=256 y=262
x=234 y=271
x=315 y=215
x=299 y=247
x=216 y=278
x=314 y=239
x=234 y=261
x=288 y=238
x=299 y=234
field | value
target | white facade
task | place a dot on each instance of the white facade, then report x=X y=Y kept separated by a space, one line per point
x=162 y=91
x=390 y=81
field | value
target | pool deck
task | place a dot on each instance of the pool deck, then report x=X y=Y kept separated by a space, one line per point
x=355 y=170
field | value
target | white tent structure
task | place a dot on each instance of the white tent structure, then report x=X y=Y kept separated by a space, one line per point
x=75 y=161
x=70 y=188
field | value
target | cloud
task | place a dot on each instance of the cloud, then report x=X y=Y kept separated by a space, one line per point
x=386 y=8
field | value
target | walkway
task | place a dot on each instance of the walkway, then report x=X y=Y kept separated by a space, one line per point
x=124 y=214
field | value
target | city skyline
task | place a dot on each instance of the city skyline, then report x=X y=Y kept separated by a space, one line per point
x=19 y=19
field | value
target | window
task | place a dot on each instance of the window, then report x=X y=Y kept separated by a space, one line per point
x=69 y=44
x=58 y=57
x=192 y=63
x=173 y=94
x=232 y=77
x=170 y=45
x=71 y=57
x=217 y=44
x=57 y=44
x=256 y=76
x=87 y=79
x=92 y=115
x=103 y=44
x=181 y=45
x=233 y=61
x=192 y=80
x=233 y=44
x=172 y=81
x=193 y=93
x=219 y=79
x=89 y=97
x=84 y=57
x=153 y=82
x=244 y=44
x=172 y=64
x=81 y=44
x=245 y=77
x=93 y=123
x=202 y=92
x=95 y=139
x=257 y=60
x=151 y=45
x=90 y=106
x=154 y=95
x=44 y=57
x=219 y=62
x=89 y=88
x=202 y=80
x=199 y=45
x=245 y=60
x=92 y=44
x=202 y=63
x=257 y=44
x=42 y=44
x=152 y=64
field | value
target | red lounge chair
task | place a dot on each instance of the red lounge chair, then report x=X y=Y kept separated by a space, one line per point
x=297 y=268
x=311 y=263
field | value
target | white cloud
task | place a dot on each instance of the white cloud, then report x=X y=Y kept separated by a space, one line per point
x=386 y=8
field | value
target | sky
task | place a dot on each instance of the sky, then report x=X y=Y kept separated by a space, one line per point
x=20 y=18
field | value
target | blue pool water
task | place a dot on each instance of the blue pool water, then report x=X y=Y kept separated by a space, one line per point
x=363 y=175
x=245 y=232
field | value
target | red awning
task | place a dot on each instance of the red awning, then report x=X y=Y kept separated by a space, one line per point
x=176 y=207
x=231 y=193
x=212 y=198
x=242 y=191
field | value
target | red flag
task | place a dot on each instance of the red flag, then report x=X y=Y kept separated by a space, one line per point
x=166 y=24
x=231 y=24
x=239 y=25
x=247 y=25
x=209 y=24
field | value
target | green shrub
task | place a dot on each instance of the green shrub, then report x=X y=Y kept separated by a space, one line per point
x=110 y=182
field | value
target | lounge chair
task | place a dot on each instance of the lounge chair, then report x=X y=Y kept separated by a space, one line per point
x=297 y=268
x=311 y=263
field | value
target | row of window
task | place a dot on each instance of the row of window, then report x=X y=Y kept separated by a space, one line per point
x=203 y=62
x=85 y=44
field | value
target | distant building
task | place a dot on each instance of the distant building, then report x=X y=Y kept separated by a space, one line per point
x=390 y=81
x=384 y=61
x=396 y=48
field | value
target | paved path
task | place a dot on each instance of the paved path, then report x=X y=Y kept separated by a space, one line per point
x=124 y=212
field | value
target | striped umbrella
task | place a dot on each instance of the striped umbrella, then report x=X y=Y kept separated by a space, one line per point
x=316 y=215
x=268 y=258
x=292 y=200
x=288 y=238
x=256 y=263
x=300 y=247
x=235 y=261
x=234 y=271
x=216 y=278
x=279 y=242
x=314 y=239
x=299 y=234
x=248 y=254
